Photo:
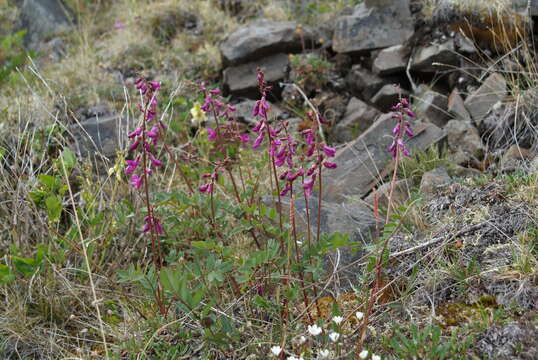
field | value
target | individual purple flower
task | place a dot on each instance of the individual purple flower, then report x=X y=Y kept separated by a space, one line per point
x=136 y=181
x=244 y=138
x=136 y=132
x=211 y=134
x=329 y=151
x=153 y=132
x=330 y=165
x=119 y=25
x=258 y=141
x=131 y=166
x=308 y=185
x=156 y=162
x=206 y=188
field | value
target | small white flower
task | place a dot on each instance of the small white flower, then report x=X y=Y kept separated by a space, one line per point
x=334 y=336
x=276 y=350
x=338 y=319
x=302 y=340
x=359 y=315
x=376 y=357
x=314 y=329
x=292 y=358
x=324 y=353
x=363 y=354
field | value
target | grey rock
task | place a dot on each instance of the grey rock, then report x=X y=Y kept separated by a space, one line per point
x=462 y=135
x=391 y=60
x=464 y=44
x=492 y=91
x=243 y=112
x=516 y=340
x=373 y=27
x=432 y=58
x=533 y=166
x=400 y=194
x=432 y=106
x=263 y=38
x=100 y=136
x=355 y=220
x=456 y=106
x=361 y=162
x=43 y=20
x=365 y=84
x=515 y=157
x=241 y=79
x=357 y=119
x=432 y=180
x=388 y=96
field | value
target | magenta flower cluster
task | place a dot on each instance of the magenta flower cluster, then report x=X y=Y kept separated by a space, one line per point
x=144 y=142
x=403 y=127
x=283 y=148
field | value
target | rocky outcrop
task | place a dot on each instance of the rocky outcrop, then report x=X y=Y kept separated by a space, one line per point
x=390 y=19
x=262 y=38
x=43 y=20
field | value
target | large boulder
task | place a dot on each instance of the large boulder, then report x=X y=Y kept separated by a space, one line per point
x=264 y=37
x=363 y=162
x=373 y=25
x=357 y=119
x=242 y=79
x=44 y=19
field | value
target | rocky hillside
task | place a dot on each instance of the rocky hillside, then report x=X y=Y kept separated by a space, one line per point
x=229 y=179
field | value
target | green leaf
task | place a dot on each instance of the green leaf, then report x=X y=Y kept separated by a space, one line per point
x=6 y=275
x=68 y=158
x=26 y=266
x=54 y=207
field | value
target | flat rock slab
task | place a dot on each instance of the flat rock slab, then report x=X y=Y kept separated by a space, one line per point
x=456 y=106
x=43 y=19
x=492 y=91
x=242 y=79
x=357 y=119
x=362 y=161
x=100 y=136
x=432 y=106
x=263 y=38
x=373 y=27
x=434 y=57
x=392 y=60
